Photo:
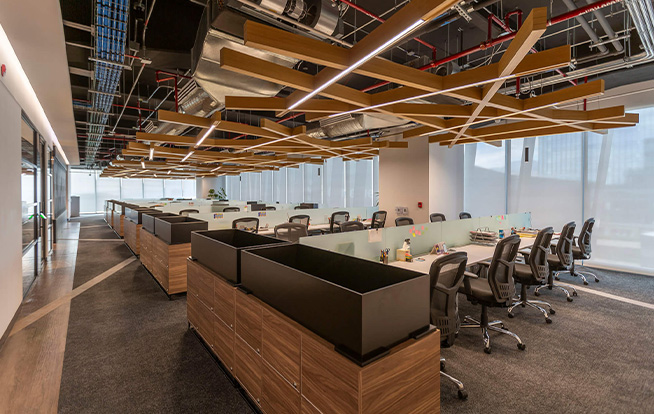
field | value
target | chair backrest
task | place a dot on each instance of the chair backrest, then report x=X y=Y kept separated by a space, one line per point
x=585 y=236
x=403 y=221
x=271 y=208
x=351 y=226
x=290 y=231
x=564 y=246
x=250 y=224
x=300 y=219
x=436 y=217
x=538 y=256
x=231 y=209
x=188 y=211
x=464 y=215
x=500 y=272
x=446 y=276
x=378 y=219
x=338 y=217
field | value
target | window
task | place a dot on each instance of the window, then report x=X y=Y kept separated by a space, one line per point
x=359 y=183
x=334 y=183
x=267 y=186
x=484 y=188
x=295 y=185
x=153 y=188
x=189 y=188
x=131 y=188
x=279 y=186
x=173 y=189
x=312 y=183
x=82 y=184
x=106 y=189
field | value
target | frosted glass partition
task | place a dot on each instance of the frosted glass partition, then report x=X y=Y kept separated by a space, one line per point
x=422 y=236
x=272 y=218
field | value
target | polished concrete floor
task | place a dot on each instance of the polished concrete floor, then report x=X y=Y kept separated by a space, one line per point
x=96 y=334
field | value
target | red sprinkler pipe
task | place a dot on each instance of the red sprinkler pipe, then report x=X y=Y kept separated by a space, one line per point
x=509 y=36
x=379 y=19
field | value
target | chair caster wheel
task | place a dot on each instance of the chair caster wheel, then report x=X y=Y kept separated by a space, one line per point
x=552 y=311
x=463 y=394
x=596 y=280
x=522 y=347
x=487 y=350
x=511 y=315
x=536 y=293
x=574 y=293
x=569 y=299
x=548 y=320
x=556 y=278
x=442 y=365
x=523 y=305
x=586 y=283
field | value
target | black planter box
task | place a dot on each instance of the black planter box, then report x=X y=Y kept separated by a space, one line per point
x=147 y=219
x=220 y=250
x=135 y=214
x=177 y=229
x=362 y=307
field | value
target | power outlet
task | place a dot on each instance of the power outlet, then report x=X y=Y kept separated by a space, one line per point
x=401 y=211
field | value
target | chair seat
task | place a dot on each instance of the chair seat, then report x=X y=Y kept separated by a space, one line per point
x=577 y=254
x=524 y=275
x=480 y=290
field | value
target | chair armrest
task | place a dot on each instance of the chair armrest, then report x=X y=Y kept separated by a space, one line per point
x=470 y=275
x=466 y=282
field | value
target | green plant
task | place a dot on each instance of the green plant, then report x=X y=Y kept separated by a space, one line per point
x=222 y=194
x=212 y=193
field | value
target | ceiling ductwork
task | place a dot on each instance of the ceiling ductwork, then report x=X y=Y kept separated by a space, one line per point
x=349 y=124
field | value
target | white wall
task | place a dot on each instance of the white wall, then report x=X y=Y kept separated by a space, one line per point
x=404 y=180
x=446 y=180
x=203 y=185
x=11 y=277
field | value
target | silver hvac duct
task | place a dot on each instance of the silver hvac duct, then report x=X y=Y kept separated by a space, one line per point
x=349 y=124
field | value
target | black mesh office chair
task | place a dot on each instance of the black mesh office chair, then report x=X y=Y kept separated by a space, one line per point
x=338 y=217
x=581 y=249
x=300 y=219
x=250 y=224
x=496 y=290
x=534 y=272
x=561 y=261
x=231 y=209
x=403 y=221
x=433 y=217
x=271 y=208
x=464 y=215
x=351 y=226
x=188 y=211
x=378 y=219
x=446 y=277
x=290 y=231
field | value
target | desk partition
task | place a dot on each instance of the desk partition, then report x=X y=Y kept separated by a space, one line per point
x=368 y=244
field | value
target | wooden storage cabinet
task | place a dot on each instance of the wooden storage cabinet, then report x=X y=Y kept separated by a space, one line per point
x=146 y=249
x=168 y=263
x=287 y=369
x=133 y=236
x=277 y=395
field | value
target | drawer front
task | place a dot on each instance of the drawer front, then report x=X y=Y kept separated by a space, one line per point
x=223 y=343
x=308 y=408
x=277 y=396
x=193 y=278
x=247 y=368
x=202 y=319
x=223 y=301
x=177 y=256
x=248 y=320
x=281 y=347
x=205 y=287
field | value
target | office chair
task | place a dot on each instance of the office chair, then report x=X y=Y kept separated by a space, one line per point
x=231 y=209
x=290 y=231
x=464 y=215
x=403 y=221
x=561 y=261
x=581 y=249
x=378 y=219
x=271 y=208
x=250 y=224
x=496 y=290
x=300 y=219
x=188 y=211
x=436 y=217
x=351 y=226
x=446 y=276
x=534 y=272
x=338 y=217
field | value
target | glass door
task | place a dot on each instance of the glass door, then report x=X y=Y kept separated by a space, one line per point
x=29 y=201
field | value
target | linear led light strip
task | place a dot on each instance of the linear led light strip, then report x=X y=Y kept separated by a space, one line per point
x=206 y=134
x=425 y=95
x=187 y=155
x=357 y=64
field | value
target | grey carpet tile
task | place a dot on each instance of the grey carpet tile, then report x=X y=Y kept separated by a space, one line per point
x=129 y=350
x=594 y=358
x=97 y=233
x=93 y=258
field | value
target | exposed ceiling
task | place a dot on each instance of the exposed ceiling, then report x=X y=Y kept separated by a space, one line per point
x=174 y=27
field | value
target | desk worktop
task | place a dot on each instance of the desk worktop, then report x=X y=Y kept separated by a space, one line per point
x=312 y=227
x=476 y=253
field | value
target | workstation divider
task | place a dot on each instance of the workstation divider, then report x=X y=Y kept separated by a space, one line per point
x=368 y=244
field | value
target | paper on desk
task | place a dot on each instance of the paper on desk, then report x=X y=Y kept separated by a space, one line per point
x=374 y=236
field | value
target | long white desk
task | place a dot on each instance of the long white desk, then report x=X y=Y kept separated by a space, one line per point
x=476 y=253
x=312 y=227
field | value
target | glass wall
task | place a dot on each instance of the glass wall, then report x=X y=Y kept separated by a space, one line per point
x=572 y=177
x=93 y=190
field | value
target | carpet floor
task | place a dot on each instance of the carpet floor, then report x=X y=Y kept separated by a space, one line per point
x=129 y=350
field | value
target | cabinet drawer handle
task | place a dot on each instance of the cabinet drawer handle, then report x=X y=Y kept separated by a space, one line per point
x=258 y=352
x=294 y=384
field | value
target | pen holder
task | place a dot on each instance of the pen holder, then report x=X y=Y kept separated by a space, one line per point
x=383 y=259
